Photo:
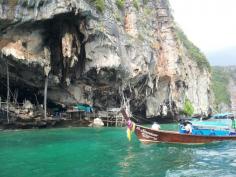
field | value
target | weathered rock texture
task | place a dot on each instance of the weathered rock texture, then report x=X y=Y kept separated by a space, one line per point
x=99 y=58
x=224 y=88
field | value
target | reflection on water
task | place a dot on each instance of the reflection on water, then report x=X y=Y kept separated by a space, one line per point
x=215 y=159
x=106 y=152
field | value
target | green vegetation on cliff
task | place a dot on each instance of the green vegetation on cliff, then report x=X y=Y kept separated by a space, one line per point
x=188 y=107
x=120 y=4
x=100 y=5
x=220 y=82
x=136 y=5
x=193 y=51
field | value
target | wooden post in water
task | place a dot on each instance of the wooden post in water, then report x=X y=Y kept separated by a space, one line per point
x=0 y=102
x=45 y=96
x=116 y=120
x=8 y=94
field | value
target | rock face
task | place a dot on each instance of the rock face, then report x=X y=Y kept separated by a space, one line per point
x=224 y=87
x=101 y=57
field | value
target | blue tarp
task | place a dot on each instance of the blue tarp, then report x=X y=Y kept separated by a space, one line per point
x=84 y=107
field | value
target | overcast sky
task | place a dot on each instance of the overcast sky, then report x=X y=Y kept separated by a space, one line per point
x=211 y=25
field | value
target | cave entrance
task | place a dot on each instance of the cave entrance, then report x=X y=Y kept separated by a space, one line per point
x=66 y=36
x=20 y=92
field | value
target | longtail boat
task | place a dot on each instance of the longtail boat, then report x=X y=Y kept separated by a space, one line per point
x=148 y=135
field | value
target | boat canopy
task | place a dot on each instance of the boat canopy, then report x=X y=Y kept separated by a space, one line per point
x=209 y=128
x=223 y=115
x=211 y=124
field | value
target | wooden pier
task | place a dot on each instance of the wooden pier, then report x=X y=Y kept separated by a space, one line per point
x=111 y=117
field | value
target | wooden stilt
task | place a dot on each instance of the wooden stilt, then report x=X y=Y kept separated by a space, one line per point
x=116 y=120
x=8 y=94
x=45 y=96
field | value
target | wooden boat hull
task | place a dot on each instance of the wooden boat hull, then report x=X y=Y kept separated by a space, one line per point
x=148 y=135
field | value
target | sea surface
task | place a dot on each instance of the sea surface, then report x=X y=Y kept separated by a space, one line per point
x=106 y=152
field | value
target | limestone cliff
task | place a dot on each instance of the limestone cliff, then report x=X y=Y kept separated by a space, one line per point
x=101 y=53
x=224 y=87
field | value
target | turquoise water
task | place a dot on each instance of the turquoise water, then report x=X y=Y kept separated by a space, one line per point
x=106 y=152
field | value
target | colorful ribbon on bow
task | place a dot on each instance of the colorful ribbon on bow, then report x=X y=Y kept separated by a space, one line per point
x=130 y=129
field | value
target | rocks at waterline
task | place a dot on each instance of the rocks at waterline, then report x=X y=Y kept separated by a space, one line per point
x=97 y=122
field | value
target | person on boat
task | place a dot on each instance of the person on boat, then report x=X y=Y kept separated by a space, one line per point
x=188 y=127
x=155 y=126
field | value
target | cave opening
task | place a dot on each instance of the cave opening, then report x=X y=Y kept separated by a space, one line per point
x=65 y=35
x=52 y=30
x=20 y=92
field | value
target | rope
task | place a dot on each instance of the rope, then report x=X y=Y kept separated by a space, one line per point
x=138 y=117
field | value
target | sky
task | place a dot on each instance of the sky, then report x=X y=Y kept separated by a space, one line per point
x=210 y=25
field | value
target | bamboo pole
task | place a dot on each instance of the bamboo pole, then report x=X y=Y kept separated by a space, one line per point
x=8 y=94
x=45 y=96
x=116 y=120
